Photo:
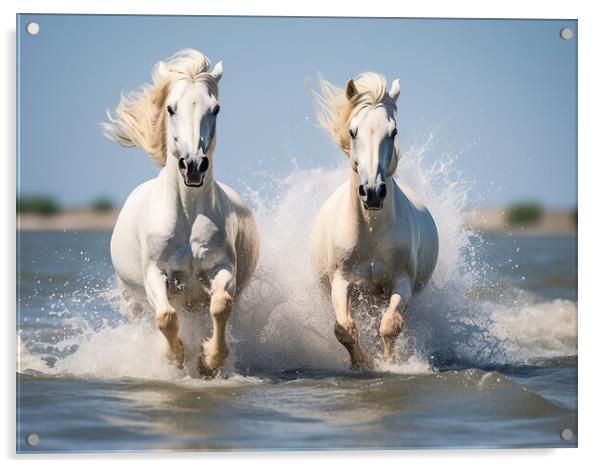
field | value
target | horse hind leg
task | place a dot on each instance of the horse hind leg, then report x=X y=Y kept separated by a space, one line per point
x=392 y=320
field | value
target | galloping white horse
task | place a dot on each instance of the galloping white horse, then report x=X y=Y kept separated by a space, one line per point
x=182 y=241
x=370 y=235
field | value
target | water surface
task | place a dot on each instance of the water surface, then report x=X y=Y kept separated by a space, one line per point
x=92 y=381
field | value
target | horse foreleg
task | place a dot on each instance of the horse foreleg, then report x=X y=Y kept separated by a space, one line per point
x=133 y=309
x=215 y=349
x=166 y=318
x=344 y=328
x=392 y=321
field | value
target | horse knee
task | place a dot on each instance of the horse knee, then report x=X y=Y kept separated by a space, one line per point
x=221 y=304
x=168 y=322
x=390 y=325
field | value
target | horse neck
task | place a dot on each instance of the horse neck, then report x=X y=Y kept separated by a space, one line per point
x=369 y=218
x=191 y=200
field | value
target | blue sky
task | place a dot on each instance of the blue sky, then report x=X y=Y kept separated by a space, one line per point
x=501 y=94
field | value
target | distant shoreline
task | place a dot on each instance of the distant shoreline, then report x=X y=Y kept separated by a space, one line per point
x=488 y=220
x=68 y=220
x=552 y=223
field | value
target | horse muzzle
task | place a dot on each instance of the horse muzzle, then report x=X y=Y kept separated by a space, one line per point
x=372 y=197
x=193 y=170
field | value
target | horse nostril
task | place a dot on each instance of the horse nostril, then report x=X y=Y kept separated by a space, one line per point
x=182 y=164
x=362 y=191
x=381 y=191
x=204 y=165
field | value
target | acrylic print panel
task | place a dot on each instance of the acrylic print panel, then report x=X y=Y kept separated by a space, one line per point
x=295 y=233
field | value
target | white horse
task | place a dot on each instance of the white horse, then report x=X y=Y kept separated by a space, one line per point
x=182 y=241
x=371 y=235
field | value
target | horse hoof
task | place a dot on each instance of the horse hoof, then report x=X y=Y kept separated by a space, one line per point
x=205 y=371
x=176 y=355
x=368 y=364
x=211 y=359
x=391 y=359
x=365 y=364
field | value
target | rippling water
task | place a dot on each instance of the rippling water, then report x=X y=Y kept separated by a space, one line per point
x=488 y=353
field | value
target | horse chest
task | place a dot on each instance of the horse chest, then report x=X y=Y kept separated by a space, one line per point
x=371 y=264
x=195 y=255
x=371 y=271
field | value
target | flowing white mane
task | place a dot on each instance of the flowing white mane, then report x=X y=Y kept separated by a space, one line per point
x=141 y=115
x=334 y=110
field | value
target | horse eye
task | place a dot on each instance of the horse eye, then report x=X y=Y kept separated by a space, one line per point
x=394 y=133
x=352 y=133
x=216 y=110
x=170 y=110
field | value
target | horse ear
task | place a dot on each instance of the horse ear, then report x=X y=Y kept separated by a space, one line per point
x=218 y=71
x=350 y=89
x=395 y=89
x=161 y=68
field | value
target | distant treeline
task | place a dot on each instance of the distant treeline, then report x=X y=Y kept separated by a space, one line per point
x=37 y=204
x=521 y=213
x=45 y=205
x=524 y=213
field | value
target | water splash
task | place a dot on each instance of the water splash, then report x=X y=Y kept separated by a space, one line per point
x=283 y=321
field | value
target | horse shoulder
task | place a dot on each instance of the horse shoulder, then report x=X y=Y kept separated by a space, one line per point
x=418 y=224
x=159 y=232
x=246 y=242
x=130 y=213
x=334 y=235
x=126 y=238
x=126 y=232
x=232 y=213
x=332 y=215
